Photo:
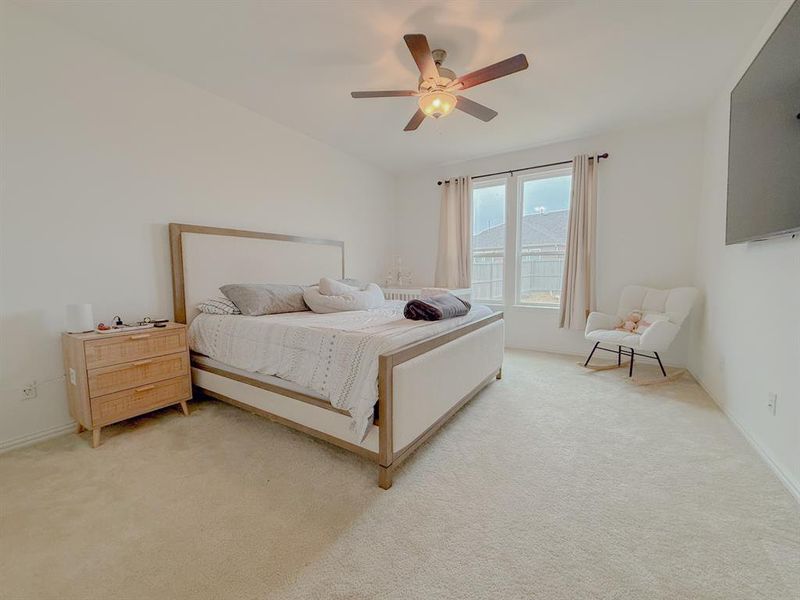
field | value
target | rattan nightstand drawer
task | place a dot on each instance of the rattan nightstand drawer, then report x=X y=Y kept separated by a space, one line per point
x=133 y=347
x=107 y=380
x=136 y=401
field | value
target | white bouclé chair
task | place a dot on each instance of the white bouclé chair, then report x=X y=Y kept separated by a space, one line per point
x=665 y=309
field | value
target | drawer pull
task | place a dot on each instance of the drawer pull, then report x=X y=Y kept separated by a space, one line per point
x=139 y=336
x=141 y=363
x=144 y=388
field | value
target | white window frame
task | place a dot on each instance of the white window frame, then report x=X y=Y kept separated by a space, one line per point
x=484 y=183
x=516 y=244
x=512 y=258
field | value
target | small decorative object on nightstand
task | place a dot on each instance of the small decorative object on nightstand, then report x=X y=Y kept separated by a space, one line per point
x=397 y=276
x=115 y=376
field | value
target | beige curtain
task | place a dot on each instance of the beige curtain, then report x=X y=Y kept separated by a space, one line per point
x=453 y=262
x=577 y=291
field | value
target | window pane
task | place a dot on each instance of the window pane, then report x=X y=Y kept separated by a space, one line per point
x=543 y=238
x=488 y=242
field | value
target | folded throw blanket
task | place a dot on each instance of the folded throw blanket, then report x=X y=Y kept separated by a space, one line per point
x=436 y=308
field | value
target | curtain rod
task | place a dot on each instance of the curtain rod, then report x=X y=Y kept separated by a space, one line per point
x=555 y=164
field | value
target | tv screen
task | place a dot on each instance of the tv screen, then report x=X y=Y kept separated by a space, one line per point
x=764 y=148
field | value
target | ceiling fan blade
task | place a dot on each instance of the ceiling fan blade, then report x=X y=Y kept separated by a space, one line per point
x=383 y=94
x=421 y=51
x=495 y=71
x=484 y=113
x=415 y=121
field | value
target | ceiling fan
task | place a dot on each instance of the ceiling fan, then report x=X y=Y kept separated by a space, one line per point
x=438 y=89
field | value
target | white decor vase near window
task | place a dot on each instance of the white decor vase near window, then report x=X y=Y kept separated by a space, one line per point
x=577 y=292
x=453 y=262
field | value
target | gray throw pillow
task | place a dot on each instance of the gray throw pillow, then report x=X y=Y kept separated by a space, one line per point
x=218 y=306
x=255 y=299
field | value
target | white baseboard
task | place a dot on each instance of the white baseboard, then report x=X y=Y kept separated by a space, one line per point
x=37 y=436
x=793 y=487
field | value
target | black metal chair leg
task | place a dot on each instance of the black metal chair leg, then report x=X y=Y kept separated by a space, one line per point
x=619 y=356
x=591 y=354
x=630 y=370
x=658 y=358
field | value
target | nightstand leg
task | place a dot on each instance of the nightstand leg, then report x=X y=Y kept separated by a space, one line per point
x=96 y=437
x=185 y=408
x=80 y=428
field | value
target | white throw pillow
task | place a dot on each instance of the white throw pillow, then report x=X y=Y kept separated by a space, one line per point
x=370 y=297
x=331 y=287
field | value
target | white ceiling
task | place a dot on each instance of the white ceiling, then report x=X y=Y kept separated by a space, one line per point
x=594 y=65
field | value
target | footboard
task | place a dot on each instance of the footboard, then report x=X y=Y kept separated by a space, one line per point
x=422 y=385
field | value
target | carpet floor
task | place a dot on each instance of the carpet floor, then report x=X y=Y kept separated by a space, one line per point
x=553 y=483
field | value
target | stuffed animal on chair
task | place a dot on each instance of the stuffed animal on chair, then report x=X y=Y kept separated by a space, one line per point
x=631 y=322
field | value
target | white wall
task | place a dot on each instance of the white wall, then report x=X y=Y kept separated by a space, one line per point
x=648 y=192
x=748 y=336
x=99 y=154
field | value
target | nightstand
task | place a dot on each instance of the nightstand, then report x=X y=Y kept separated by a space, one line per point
x=115 y=376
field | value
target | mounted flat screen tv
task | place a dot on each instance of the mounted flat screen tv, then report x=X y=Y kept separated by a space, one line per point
x=764 y=149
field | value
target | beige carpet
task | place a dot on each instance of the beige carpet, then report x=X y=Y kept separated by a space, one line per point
x=553 y=483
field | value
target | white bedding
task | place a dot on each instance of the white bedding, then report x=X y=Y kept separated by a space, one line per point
x=335 y=355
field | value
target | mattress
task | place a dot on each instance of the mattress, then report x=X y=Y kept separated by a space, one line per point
x=331 y=356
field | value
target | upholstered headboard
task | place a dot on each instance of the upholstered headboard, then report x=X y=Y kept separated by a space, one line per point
x=204 y=258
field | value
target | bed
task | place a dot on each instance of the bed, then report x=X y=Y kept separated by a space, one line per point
x=370 y=382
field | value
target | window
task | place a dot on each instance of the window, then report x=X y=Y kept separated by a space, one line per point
x=524 y=217
x=543 y=217
x=488 y=240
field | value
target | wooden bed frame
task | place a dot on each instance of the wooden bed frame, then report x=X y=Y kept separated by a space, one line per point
x=420 y=386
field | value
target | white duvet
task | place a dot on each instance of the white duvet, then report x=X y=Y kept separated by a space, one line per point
x=335 y=355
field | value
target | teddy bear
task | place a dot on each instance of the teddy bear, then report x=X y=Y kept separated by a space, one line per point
x=631 y=322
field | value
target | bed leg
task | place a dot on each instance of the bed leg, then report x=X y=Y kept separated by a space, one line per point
x=499 y=373
x=384 y=477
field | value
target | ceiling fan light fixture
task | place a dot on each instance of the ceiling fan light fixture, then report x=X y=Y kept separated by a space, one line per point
x=437 y=103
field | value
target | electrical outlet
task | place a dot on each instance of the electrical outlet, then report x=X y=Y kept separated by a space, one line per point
x=29 y=391
x=772 y=403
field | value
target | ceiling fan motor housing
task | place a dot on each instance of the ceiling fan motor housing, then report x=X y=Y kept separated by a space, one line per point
x=438 y=56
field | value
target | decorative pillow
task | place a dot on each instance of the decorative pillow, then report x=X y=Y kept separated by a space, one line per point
x=218 y=306
x=371 y=297
x=356 y=283
x=332 y=287
x=256 y=299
